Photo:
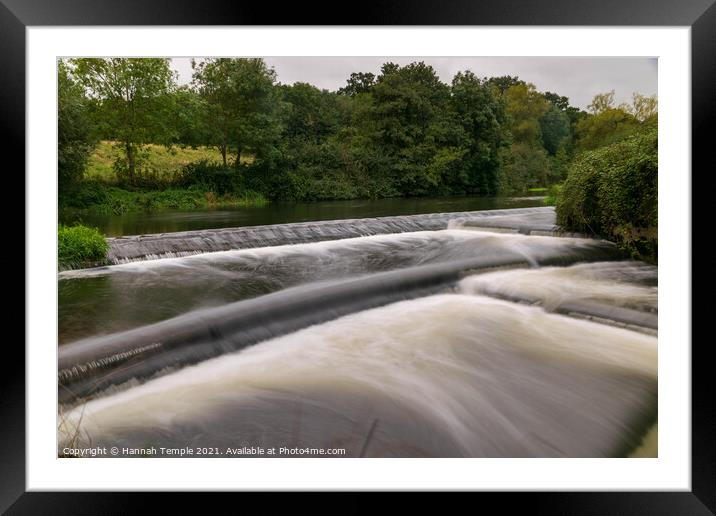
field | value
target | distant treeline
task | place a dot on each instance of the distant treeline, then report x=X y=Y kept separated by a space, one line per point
x=402 y=132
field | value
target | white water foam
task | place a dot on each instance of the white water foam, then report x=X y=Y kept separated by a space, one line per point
x=446 y=375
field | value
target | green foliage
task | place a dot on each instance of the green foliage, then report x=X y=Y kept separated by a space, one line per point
x=605 y=128
x=555 y=130
x=358 y=83
x=100 y=198
x=525 y=166
x=211 y=177
x=403 y=132
x=75 y=137
x=612 y=192
x=554 y=194
x=77 y=245
x=241 y=105
x=642 y=107
x=525 y=106
x=132 y=102
x=159 y=166
x=482 y=118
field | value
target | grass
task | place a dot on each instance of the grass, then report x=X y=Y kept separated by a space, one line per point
x=80 y=245
x=162 y=183
x=154 y=160
x=103 y=199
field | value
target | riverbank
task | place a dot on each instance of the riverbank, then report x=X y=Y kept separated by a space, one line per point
x=96 y=198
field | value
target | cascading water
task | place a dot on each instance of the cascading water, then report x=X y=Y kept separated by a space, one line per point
x=149 y=247
x=482 y=340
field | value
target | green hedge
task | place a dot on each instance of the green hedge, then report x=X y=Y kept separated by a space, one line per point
x=78 y=245
x=611 y=192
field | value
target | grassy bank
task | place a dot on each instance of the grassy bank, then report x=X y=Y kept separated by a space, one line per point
x=167 y=179
x=100 y=198
x=156 y=161
x=79 y=246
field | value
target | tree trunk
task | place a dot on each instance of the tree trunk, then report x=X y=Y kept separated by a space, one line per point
x=130 y=162
x=238 y=157
x=222 y=148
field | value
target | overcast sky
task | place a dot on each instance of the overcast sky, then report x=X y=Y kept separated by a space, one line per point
x=578 y=78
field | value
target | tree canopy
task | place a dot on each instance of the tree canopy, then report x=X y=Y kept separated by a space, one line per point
x=401 y=132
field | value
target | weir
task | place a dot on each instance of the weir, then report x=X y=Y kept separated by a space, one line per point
x=92 y=365
x=539 y=220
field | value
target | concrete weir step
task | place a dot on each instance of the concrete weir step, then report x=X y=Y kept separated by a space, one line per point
x=163 y=245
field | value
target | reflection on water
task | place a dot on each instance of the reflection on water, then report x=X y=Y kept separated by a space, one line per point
x=280 y=213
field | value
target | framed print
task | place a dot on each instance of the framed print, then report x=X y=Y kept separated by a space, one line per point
x=412 y=250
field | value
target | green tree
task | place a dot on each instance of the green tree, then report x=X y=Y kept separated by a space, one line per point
x=525 y=106
x=131 y=99
x=642 y=107
x=75 y=131
x=191 y=125
x=574 y=114
x=357 y=83
x=505 y=82
x=242 y=104
x=410 y=119
x=555 y=129
x=524 y=166
x=310 y=113
x=482 y=118
x=602 y=102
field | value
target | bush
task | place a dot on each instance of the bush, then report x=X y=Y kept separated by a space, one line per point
x=554 y=193
x=77 y=245
x=100 y=198
x=612 y=192
x=211 y=177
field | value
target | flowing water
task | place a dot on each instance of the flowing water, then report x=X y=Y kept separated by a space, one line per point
x=282 y=213
x=467 y=334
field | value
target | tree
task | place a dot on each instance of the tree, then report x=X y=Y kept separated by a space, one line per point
x=188 y=117
x=604 y=128
x=482 y=118
x=524 y=166
x=409 y=120
x=562 y=103
x=505 y=82
x=310 y=113
x=75 y=135
x=642 y=107
x=601 y=102
x=357 y=83
x=555 y=129
x=608 y=124
x=525 y=105
x=131 y=100
x=558 y=101
x=242 y=103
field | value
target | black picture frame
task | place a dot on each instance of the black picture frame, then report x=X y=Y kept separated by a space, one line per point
x=16 y=15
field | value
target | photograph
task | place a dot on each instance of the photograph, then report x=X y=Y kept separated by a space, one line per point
x=357 y=257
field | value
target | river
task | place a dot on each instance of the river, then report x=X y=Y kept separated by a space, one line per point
x=455 y=333
x=286 y=212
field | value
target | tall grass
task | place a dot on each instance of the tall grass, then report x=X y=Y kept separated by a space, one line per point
x=77 y=245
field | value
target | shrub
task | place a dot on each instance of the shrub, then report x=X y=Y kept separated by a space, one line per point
x=211 y=177
x=79 y=244
x=612 y=192
x=554 y=193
